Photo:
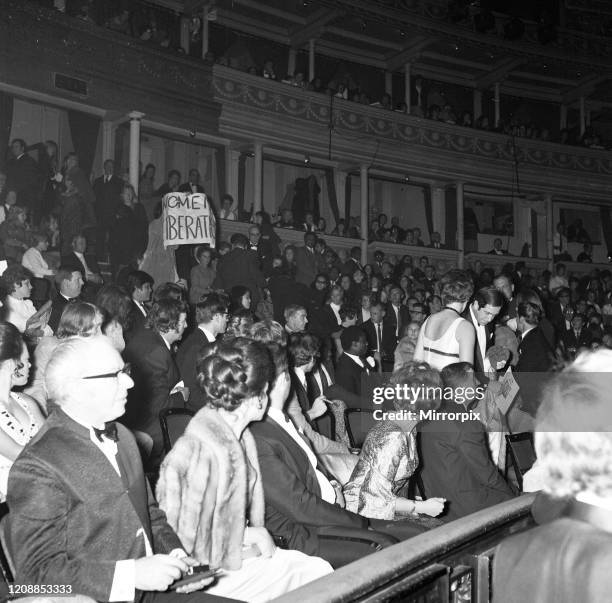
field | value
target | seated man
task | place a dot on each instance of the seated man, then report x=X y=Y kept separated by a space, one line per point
x=352 y=365
x=140 y=287
x=69 y=284
x=93 y=526
x=381 y=337
x=455 y=458
x=86 y=264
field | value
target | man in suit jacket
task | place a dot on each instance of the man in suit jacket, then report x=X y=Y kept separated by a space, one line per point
x=86 y=264
x=352 y=366
x=239 y=267
x=107 y=189
x=139 y=286
x=69 y=284
x=497 y=248
x=483 y=310
x=211 y=316
x=157 y=381
x=455 y=459
x=381 y=337
x=535 y=357
x=577 y=336
x=307 y=263
x=353 y=263
x=557 y=311
x=93 y=525
x=396 y=315
x=24 y=177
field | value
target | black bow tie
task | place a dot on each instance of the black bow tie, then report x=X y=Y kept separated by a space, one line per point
x=109 y=431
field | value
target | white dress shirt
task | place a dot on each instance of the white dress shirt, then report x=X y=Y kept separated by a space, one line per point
x=211 y=338
x=81 y=257
x=481 y=334
x=336 y=309
x=328 y=494
x=141 y=307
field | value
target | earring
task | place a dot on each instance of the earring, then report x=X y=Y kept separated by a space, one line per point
x=259 y=405
x=17 y=371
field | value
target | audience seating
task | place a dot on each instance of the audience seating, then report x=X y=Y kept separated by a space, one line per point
x=522 y=454
x=326 y=425
x=358 y=422
x=173 y=423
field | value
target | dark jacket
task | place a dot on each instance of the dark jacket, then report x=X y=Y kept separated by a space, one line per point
x=388 y=340
x=57 y=308
x=239 y=267
x=349 y=375
x=108 y=198
x=186 y=359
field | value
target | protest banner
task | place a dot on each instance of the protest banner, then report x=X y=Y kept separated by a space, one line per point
x=188 y=219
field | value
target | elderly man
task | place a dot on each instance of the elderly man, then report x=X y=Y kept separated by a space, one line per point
x=93 y=527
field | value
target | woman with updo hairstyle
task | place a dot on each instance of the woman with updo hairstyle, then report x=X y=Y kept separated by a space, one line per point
x=80 y=319
x=20 y=417
x=389 y=455
x=116 y=305
x=205 y=476
x=446 y=337
x=238 y=324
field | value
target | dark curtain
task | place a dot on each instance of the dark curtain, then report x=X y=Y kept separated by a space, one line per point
x=606 y=226
x=428 y=208
x=84 y=130
x=451 y=218
x=347 y=198
x=6 y=120
x=241 y=181
x=221 y=167
x=331 y=193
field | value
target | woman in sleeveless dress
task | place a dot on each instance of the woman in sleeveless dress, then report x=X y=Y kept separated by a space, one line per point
x=20 y=417
x=446 y=337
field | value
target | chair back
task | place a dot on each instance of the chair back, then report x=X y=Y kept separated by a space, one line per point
x=7 y=568
x=173 y=424
x=522 y=453
x=326 y=425
x=358 y=423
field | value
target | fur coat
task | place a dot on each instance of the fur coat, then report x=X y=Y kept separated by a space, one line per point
x=209 y=487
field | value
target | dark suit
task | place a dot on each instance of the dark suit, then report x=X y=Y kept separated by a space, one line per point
x=108 y=199
x=308 y=264
x=57 y=308
x=186 y=360
x=349 y=375
x=535 y=361
x=84 y=517
x=391 y=319
x=155 y=374
x=489 y=333
x=456 y=464
x=325 y=322
x=528 y=566
x=24 y=177
x=570 y=340
x=285 y=292
x=301 y=393
x=387 y=344
x=294 y=507
x=71 y=262
x=137 y=318
x=239 y=267
x=556 y=317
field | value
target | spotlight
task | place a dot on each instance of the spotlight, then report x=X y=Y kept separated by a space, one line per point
x=192 y=133
x=406 y=179
x=306 y=159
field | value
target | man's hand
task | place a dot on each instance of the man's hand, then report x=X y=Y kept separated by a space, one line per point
x=262 y=539
x=96 y=279
x=191 y=588
x=318 y=408
x=158 y=572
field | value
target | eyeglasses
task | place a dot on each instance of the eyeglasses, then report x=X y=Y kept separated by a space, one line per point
x=126 y=370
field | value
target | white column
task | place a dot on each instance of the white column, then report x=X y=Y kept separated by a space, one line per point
x=232 y=159
x=389 y=83
x=460 y=233
x=364 y=189
x=108 y=140
x=184 y=39
x=135 y=117
x=562 y=116
x=550 y=230
x=407 y=86
x=477 y=103
x=311 y=59
x=582 y=116
x=496 y=100
x=438 y=210
x=204 y=31
x=291 y=61
x=258 y=177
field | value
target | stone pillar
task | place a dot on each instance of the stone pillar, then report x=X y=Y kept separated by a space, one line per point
x=497 y=100
x=135 y=117
x=582 y=116
x=477 y=104
x=258 y=177
x=389 y=83
x=184 y=35
x=407 y=87
x=438 y=210
x=291 y=61
x=108 y=141
x=311 y=59
x=364 y=188
x=460 y=230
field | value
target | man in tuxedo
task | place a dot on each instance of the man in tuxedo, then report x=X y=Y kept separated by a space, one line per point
x=211 y=316
x=396 y=314
x=328 y=319
x=557 y=311
x=107 y=189
x=86 y=264
x=351 y=365
x=576 y=337
x=381 y=338
x=497 y=248
x=157 y=381
x=93 y=525
x=69 y=284
x=535 y=357
x=307 y=262
x=24 y=177
x=353 y=263
x=253 y=247
x=483 y=310
x=455 y=459
x=296 y=319
x=240 y=267
x=139 y=287
x=505 y=286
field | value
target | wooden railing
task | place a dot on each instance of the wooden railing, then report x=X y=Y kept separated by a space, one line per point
x=434 y=567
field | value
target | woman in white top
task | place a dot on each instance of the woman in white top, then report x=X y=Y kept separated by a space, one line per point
x=33 y=260
x=446 y=337
x=20 y=417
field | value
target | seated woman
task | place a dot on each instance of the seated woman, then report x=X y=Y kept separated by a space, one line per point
x=404 y=352
x=574 y=449
x=14 y=234
x=79 y=319
x=210 y=483
x=20 y=417
x=388 y=459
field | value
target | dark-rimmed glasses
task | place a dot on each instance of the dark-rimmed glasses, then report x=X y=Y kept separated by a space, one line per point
x=125 y=370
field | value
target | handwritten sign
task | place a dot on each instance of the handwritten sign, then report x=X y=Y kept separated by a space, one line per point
x=188 y=219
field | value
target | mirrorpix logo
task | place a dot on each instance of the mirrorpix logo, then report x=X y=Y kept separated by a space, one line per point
x=400 y=396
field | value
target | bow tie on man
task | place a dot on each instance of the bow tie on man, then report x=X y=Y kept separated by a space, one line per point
x=109 y=432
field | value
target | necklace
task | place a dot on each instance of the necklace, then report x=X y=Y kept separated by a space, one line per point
x=453 y=309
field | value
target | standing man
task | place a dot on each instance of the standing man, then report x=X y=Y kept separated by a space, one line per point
x=24 y=177
x=307 y=263
x=107 y=189
x=397 y=315
x=93 y=526
x=381 y=338
x=193 y=183
x=140 y=287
